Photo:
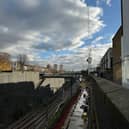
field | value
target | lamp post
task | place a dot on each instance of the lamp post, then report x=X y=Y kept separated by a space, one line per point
x=89 y=60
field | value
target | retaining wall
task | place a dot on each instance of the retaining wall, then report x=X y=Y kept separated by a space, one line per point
x=19 y=77
x=109 y=105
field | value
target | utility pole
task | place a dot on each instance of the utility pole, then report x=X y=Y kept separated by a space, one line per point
x=89 y=60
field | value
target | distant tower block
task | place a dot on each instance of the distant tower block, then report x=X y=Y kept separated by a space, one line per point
x=55 y=67
x=48 y=68
x=61 y=68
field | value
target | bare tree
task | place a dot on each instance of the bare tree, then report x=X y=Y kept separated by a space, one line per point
x=22 y=60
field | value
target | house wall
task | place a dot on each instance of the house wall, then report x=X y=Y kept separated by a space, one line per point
x=125 y=43
x=106 y=65
x=5 y=63
x=117 y=67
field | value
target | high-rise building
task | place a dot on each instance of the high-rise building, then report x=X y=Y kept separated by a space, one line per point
x=55 y=68
x=61 y=68
x=48 y=69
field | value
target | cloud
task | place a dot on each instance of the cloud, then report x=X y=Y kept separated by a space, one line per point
x=97 y=39
x=64 y=22
x=108 y=2
x=77 y=59
x=34 y=26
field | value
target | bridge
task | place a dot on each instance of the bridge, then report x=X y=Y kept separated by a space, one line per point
x=69 y=76
x=60 y=75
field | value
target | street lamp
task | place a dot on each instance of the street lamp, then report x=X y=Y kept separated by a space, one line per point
x=89 y=60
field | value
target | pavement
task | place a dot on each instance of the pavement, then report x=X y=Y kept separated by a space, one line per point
x=75 y=119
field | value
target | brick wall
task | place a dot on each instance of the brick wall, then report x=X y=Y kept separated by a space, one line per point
x=117 y=67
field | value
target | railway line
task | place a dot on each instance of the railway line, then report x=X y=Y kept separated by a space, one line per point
x=39 y=118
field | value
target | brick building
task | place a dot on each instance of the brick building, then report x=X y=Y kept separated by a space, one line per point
x=5 y=63
x=117 y=66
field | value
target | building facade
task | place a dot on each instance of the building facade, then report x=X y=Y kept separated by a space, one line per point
x=125 y=42
x=106 y=65
x=5 y=63
x=117 y=66
x=61 y=68
x=55 y=68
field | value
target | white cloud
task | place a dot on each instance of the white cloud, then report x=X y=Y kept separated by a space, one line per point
x=98 y=39
x=3 y=29
x=34 y=26
x=62 y=22
x=77 y=60
x=108 y=2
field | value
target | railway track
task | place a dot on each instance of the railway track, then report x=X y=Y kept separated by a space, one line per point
x=39 y=117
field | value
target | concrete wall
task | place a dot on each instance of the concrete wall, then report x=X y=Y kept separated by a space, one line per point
x=126 y=26
x=55 y=83
x=19 y=77
x=109 y=105
x=13 y=77
x=125 y=43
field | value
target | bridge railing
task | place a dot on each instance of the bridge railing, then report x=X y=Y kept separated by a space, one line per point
x=109 y=105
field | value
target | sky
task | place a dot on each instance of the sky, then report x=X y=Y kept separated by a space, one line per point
x=59 y=31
